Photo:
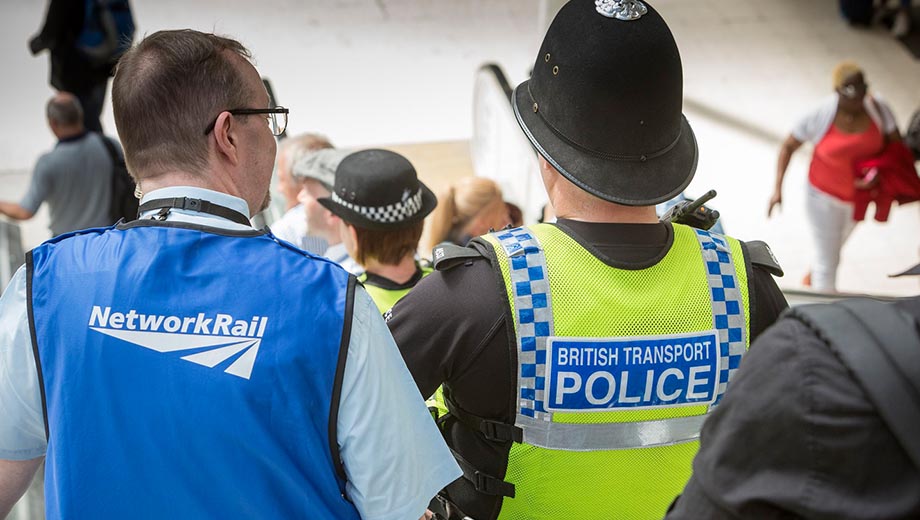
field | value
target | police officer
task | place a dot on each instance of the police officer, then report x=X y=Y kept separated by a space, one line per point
x=167 y=381
x=579 y=360
x=381 y=205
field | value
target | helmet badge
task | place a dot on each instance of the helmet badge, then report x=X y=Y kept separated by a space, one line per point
x=627 y=10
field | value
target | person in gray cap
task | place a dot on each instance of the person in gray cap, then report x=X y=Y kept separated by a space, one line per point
x=292 y=225
x=315 y=172
x=579 y=359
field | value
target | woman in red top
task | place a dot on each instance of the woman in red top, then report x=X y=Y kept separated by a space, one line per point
x=848 y=127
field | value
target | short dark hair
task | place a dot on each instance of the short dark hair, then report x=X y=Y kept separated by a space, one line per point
x=167 y=88
x=65 y=110
x=388 y=246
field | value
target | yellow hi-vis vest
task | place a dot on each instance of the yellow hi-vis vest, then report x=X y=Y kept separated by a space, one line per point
x=385 y=299
x=617 y=370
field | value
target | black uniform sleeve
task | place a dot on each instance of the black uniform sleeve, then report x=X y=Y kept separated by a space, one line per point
x=452 y=329
x=765 y=299
x=796 y=437
x=445 y=323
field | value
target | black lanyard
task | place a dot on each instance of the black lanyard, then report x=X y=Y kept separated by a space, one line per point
x=186 y=203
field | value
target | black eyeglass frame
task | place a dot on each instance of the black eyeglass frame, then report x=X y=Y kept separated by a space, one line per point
x=250 y=112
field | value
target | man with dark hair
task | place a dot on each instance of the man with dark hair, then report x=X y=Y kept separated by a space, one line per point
x=382 y=206
x=204 y=388
x=579 y=359
x=75 y=178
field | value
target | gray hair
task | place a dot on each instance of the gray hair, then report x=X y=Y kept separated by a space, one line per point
x=292 y=148
x=65 y=110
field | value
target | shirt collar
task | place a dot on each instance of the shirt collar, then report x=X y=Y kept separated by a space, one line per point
x=214 y=197
x=73 y=138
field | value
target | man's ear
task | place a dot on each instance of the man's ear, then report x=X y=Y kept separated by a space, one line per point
x=226 y=137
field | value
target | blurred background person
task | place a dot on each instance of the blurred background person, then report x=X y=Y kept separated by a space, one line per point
x=75 y=177
x=469 y=208
x=382 y=206
x=85 y=40
x=846 y=127
x=292 y=226
x=869 y=12
x=315 y=173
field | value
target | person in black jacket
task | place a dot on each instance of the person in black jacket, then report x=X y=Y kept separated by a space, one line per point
x=799 y=434
x=72 y=70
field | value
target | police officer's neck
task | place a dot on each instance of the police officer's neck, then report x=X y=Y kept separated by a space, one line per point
x=399 y=273
x=571 y=202
x=596 y=210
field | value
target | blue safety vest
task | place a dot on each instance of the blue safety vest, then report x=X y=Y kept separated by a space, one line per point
x=189 y=372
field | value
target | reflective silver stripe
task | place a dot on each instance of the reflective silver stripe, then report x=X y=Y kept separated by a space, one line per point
x=727 y=305
x=610 y=436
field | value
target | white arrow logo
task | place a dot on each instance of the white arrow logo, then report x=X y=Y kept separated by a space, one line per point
x=225 y=347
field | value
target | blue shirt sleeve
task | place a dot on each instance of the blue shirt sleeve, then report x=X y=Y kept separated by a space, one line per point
x=394 y=456
x=22 y=428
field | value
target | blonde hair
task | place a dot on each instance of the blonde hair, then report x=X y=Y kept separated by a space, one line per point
x=844 y=70
x=459 y=205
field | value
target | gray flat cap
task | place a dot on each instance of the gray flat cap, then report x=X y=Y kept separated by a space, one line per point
x=319 y=165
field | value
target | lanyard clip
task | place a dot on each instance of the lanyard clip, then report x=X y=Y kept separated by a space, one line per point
x=161 y=215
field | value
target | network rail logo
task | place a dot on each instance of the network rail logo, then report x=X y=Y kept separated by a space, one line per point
x=215 y=338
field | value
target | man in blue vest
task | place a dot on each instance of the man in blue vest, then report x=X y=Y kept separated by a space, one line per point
x=579 y=359
x=153 y=372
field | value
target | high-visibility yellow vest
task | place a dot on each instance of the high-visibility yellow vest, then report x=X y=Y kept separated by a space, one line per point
x=617 y=369
x=387 y=298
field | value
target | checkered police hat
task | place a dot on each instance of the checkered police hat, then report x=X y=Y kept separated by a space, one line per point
x=378 y=189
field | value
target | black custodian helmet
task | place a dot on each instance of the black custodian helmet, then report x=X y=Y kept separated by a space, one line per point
x=603 y=106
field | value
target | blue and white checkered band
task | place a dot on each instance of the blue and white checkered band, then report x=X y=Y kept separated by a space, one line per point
x=391 y=213
x=532 y=304
x=727 y=306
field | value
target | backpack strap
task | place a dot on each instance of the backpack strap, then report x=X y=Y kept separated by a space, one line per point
x=880 y=345
x=492 y=430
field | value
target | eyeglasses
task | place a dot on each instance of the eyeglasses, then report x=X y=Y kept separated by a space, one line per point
x=853 y=91
x=276 y=117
